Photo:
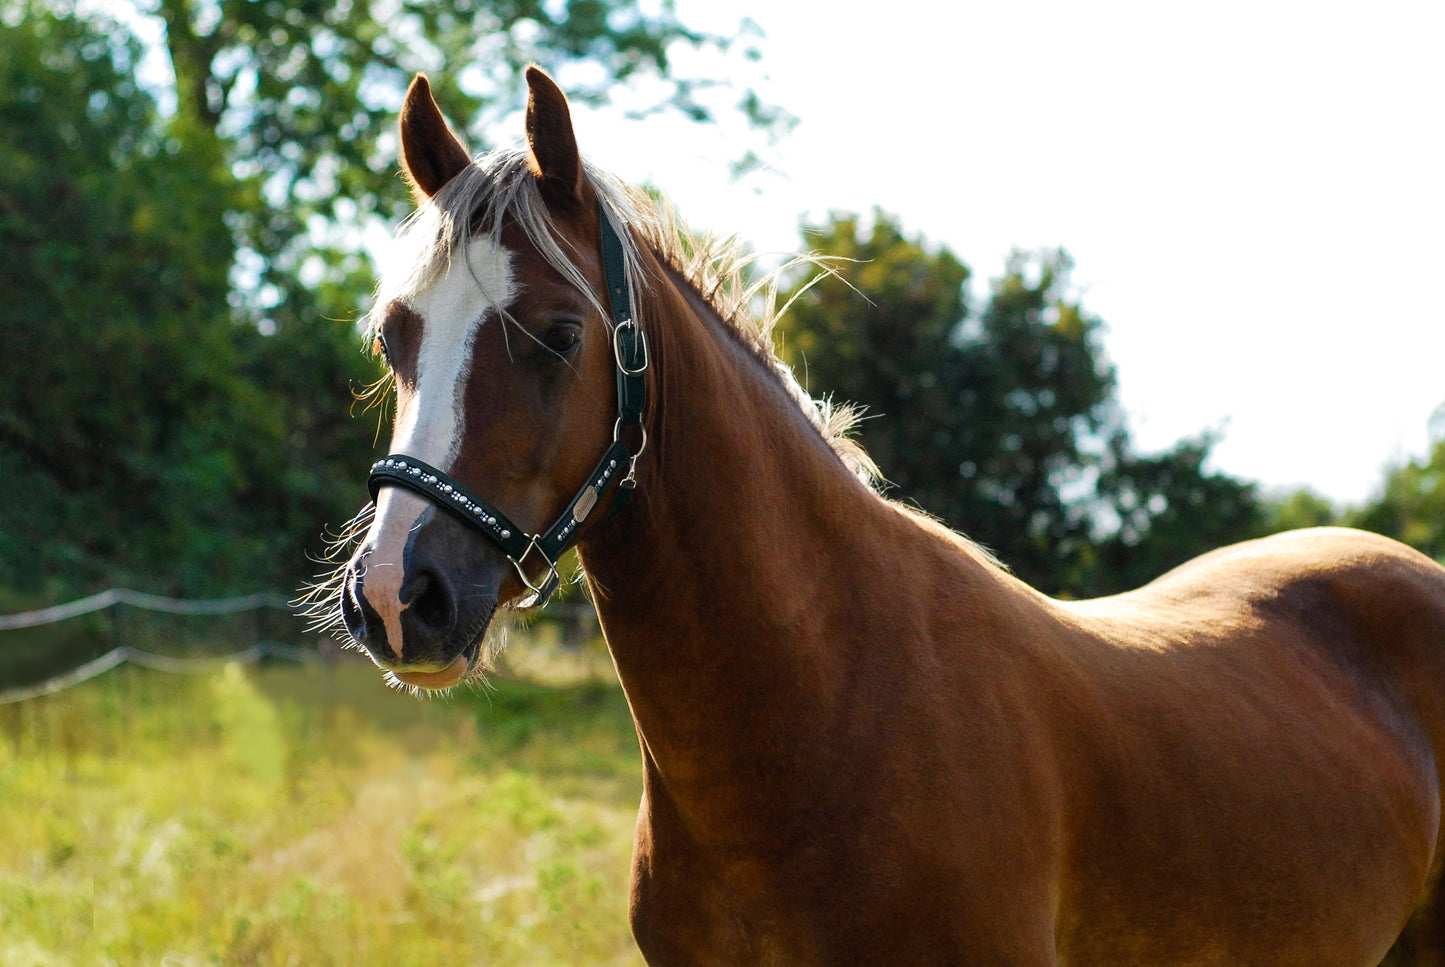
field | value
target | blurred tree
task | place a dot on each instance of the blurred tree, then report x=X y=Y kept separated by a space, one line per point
x=1412 y=507
x=128 y=431
x=1302 y=508
x=184 y=262
x=300 y=99
x=1169 y=509
x=1001 y=420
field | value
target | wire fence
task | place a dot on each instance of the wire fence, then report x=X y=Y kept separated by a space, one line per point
x=76 y=652
x=138 y=599
x=120 y=653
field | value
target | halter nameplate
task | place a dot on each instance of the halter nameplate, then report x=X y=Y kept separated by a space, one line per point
x=629 y=347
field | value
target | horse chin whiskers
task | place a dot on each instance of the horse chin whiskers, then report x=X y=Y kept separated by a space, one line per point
x=319 y=601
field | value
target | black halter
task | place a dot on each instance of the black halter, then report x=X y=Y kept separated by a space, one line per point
x=629 y=347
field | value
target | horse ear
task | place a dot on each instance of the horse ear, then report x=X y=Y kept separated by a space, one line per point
x=554 y=157
x=430 y=153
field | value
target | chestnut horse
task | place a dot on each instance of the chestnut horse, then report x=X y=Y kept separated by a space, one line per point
x=863 y=741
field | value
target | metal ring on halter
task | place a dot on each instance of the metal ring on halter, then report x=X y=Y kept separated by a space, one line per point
x=617 y=348
x=617 y=435
x=631 y=478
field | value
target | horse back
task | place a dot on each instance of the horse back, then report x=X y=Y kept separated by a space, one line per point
x=1363 y=605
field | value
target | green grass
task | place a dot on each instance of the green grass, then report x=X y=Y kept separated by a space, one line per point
x=310 y=816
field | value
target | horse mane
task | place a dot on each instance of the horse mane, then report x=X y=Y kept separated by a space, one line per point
x=500 y=187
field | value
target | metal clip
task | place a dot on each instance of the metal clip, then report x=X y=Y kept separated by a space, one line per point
x=543 y=590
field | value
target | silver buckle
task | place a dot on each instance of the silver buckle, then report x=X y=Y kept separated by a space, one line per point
x=617 y=348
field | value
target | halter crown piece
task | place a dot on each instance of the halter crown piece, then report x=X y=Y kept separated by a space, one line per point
x=629 y=348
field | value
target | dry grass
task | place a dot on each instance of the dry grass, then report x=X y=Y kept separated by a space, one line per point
x=308 y=816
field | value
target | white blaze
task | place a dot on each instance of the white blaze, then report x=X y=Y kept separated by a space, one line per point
x=429 y=421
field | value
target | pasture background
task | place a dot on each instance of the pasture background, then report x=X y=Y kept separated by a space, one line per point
x=306 y=814
x=181 y=192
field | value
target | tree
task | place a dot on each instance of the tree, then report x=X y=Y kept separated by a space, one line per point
x=1301 y=508
x=1002 y=420
x=1412 y=506
x=981 y=418
x=128 y=432
x=1169 y=508
x=300 y=99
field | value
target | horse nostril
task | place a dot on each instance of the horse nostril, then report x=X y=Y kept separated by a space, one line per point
x=429 y=603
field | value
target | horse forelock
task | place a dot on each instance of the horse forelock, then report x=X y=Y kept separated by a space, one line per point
x=495 y=190
x=500 y=188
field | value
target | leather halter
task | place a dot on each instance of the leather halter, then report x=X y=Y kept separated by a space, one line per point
x=629 y=348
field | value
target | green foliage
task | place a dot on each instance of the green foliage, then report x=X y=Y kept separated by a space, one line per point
x=143 y=424
x=1301 y=508
x=1412 y=507
x=980 y=419
x=309 y=91
x=1170 y=509
x=1002 y=419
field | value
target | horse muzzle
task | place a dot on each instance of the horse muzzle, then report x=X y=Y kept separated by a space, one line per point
x=423 y=617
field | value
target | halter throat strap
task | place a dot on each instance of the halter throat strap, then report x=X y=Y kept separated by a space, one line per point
x=619 y=461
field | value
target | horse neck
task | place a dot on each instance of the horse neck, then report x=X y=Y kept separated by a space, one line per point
x=734 y=493
x=738 y=589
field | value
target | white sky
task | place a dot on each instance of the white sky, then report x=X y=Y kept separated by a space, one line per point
x=1253 y=192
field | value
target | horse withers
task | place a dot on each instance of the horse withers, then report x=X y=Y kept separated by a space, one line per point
x=863 y=741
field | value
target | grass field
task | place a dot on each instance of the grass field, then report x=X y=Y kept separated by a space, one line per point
x=309 y=816
x=288 y=815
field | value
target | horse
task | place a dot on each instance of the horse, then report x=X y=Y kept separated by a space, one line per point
x=863 y=740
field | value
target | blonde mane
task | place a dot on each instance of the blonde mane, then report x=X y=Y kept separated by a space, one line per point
x=499 y=187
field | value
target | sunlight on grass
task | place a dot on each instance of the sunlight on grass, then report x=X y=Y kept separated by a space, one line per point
x=309 y=816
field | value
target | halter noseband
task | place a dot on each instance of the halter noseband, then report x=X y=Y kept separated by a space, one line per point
x=629 y=348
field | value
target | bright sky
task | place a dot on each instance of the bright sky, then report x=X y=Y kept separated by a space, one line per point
x=1253 y=192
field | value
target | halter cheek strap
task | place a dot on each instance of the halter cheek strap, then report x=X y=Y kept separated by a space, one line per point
x=629 y=350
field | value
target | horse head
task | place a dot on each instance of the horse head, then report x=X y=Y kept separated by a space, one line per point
x=505 y=346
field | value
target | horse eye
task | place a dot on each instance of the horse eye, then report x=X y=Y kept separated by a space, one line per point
x=563 y=338
x=379 y=346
